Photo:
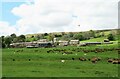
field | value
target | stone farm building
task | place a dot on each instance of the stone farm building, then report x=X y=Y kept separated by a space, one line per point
x=63 y=43
x=34 y=44
x=74 y=42
x=42 y=40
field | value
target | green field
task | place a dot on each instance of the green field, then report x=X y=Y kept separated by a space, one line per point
x=36 y=62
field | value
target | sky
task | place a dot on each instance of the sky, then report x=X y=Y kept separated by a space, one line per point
x=45 y=16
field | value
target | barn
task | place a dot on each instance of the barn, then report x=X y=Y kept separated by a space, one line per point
x=63 y=43
x=17 y=45
x=74 y=42
x=44 y=44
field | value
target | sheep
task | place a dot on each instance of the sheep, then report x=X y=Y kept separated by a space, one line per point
x=85 y=54
x=64 y=53
x=14 y=52
x=62 y=61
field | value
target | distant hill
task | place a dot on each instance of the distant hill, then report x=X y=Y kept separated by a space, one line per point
x=106 y=32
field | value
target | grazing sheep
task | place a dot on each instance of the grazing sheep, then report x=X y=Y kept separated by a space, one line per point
x=85 y=54
x=64 y=53
x=14 y=52
x=62 y=61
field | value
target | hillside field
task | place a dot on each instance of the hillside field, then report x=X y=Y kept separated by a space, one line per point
x=46 y=62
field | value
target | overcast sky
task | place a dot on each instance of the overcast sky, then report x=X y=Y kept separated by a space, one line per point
x=40 y=16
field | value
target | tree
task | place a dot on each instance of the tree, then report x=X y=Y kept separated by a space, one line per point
x=21 y=38
x=111 y=37
x=8 y=41
x=45 y=34
x=2 y=41
x=92 y=33
x=15 y=40
x=78 y=36
x=103 y=34
x=13 y=36
x=32 y=36
x=66 y=37
x=70 y=34
x=50 y=37
x=40 y=36
x=58 y=35
x=86 y=35
x=63 y=33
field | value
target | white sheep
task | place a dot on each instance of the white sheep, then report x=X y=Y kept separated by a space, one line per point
x=64 y=54
x=62 y=61
x=14 y=52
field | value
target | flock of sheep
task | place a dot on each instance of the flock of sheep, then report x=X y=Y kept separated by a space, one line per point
x=71 y=51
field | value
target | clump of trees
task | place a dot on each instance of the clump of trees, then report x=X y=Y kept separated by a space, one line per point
x=78 y=36
x=111 y=37
x=6 y=41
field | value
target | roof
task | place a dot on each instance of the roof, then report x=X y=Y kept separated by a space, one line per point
x=63 y=41
x=93 y=42
x=43 y=42
x=74 y=40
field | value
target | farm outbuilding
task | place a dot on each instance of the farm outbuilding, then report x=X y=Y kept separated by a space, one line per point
x=63 y=43
x=74 y=42
x=42 y=40
x=44 y=44
x=34 y=44
x=17 y=45
x=31 y=44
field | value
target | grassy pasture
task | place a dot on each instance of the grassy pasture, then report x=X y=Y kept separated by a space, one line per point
x=36 y=62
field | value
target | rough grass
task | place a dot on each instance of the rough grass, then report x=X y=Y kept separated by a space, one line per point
x=43 y=64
